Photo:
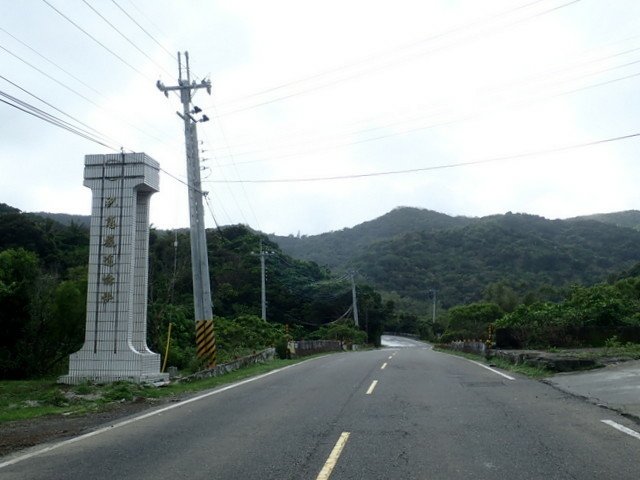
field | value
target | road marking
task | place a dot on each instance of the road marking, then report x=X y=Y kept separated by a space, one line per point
x=390 y=357
x=371 y=387
x=622 y=428
x=146 y=415
x=325 y=473
x=492 y=369
x=384 y=365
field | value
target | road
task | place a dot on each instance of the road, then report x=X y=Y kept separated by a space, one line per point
x=395 y=413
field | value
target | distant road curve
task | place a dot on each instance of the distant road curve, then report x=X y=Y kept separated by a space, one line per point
x=394 y=341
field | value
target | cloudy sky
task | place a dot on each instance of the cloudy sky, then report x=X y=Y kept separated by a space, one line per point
x=478 y=107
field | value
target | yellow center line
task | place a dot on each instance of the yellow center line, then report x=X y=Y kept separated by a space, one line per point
x=371 y=387
x=325 y=473
x=384 y=365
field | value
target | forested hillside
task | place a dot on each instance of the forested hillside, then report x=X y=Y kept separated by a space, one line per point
x=468 y=259
x=337 y=249
x=531 y=255
x=628 y=218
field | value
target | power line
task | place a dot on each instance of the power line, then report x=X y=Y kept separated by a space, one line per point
x=375 y=57
x=97 y=41
x=440 y=167
x=58 y=122
x=142 y=28
x=437 y=124
x=125 y=37
x=215 y=222
x=391 y=63
x=246 y=195
x=493 y=90
x=543 y=83
x=63 y=85
x=80 y=95
x=51 y=62
x=53 y=120
x=57 y=109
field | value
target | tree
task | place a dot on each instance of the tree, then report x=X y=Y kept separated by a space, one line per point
x=19 y=271
x=471 y=321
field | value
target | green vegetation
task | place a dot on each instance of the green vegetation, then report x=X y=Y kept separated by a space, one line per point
x=43 y=285
x=604 y=314
x=25 y=399
x=470 y=321
x=523 y=369
x=337 y=249
x=408 y=252
x=627 y=219
x=535 y=279
x=536 y=258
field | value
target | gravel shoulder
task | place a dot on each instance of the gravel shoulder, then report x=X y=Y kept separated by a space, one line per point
x=21 y=434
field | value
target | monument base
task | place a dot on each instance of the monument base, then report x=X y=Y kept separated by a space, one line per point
x=107 y=367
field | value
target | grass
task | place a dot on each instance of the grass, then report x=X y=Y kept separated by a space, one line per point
x=527 y=370
x=28 y=399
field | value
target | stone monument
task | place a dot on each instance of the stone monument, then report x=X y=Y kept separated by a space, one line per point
x=115 y=344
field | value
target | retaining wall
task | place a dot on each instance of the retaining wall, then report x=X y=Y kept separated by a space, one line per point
x=260 y=357
x=303 y=348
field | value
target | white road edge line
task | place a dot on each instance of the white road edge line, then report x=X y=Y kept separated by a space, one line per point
x=371 y=387
x=146 y=415
x=622 y=428
x=331 y=462
x=492 y=369
x=384 y=365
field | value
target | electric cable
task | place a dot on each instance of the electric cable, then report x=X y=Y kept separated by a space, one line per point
x=98 y=41
x=437 y=124
x=497 y=89
x=125 y=37
x=142 y=28
x=246 y=195
x=375 y=57
x=388 y=64
x=440 y=167
x=51 y=62
x=60 y=123
x=80 y=95
x=105 y=137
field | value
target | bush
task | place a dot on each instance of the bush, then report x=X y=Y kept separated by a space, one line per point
x=470 y=321
x=282 y=348
x=339 y=331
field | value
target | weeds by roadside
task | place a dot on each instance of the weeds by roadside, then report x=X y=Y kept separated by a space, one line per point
x=27 y=399
x=528 y=370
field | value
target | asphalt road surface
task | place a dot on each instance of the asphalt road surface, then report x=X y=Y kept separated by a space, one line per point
x=395 y=413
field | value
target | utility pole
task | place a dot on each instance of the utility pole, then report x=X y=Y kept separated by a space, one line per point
x=433 y=292
x=205 y=337
x=355 y=300
x=263 y=280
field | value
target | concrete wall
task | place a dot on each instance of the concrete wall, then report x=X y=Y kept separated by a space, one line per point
x=303 y=348
x=260 y=357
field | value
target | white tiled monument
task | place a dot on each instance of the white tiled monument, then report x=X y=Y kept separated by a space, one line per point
x=115 y=344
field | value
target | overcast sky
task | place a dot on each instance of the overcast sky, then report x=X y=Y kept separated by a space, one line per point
x=322 y=89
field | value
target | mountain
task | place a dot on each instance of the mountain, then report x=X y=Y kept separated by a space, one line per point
x=411 y=251
x=627 y=218
x=337 y=249
x=67 y=219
